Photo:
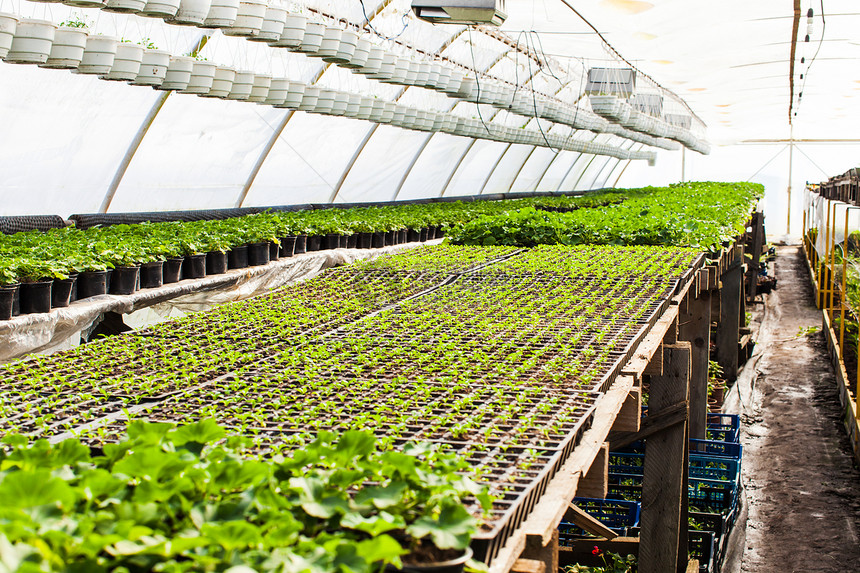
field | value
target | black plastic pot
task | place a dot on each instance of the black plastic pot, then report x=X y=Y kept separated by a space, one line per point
x=451 y=566
x=258 y=254
x=301 y=245
x=402 y=236
x=331 y=241
x=61 y=292
x=152 y=274
x=431 y=233
x=216 y=263
x=288 y=245
x=423 y=235
x=344 y=241
x=413 y=236
x=36 y=297
x=365 y=240
x=237 y=257
x=124 y=280
x=440 y=232
x=314 y=243
x=7 y=300
x=172 y=270
x=274 y=251
x=194 y=266
x=390 y=238
x=352 y=241
x=92 y=283
x=378 y=240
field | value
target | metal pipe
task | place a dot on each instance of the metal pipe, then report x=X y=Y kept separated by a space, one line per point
x=493 y=170
x=262 y=158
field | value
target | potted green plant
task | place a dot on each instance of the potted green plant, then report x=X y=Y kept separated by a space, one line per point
x=8 y=287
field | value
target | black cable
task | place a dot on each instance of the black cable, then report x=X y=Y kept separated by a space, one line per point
x=812 y=61
x=375 y=31
x=534 y=103
x=477 y=83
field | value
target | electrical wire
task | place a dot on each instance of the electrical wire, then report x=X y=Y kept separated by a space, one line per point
x=812 y=61
x=477 y=83
x=534 y=103
x=404 y=20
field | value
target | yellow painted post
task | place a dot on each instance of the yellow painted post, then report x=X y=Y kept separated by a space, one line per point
x=832 y=292
x=843 y=297
x=820 y=300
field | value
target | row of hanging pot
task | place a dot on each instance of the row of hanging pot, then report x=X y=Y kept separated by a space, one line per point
x=45 y=44
x=275 y=25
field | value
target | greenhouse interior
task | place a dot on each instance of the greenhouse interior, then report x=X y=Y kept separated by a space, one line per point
x=429 y=286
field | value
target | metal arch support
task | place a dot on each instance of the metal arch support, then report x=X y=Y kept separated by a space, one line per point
x=493 y=170
x=602 y=167
x=572 y=165
x=545 y=171
x=352 y=161
x=141 y=133
x=520 y=170
x=581 y=175
x=412 y=165
x=263 y=156
x=614 y=167
x=457 y=166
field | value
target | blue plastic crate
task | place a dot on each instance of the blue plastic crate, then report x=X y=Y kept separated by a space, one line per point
x=726 y=449
x=702 y=467
x=712 y=496
x=615 y=514
x=723 y=427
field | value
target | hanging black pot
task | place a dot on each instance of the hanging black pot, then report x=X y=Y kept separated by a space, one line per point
x=413 y=236
x=288 y=245
x=124 y=280
x=274 y=251
x=7 y=300
x=61 y=292
x=152 y=274
x=237 y=257
x=314 y=242
x=172 y=270
x=378 y=240
x=331 y=241
x=352 y=241
x=36 y=297
x=301 y=245
x=194 y=266
x=258 y=254
x=365 y=240
x=92 y=283
x=216 y=263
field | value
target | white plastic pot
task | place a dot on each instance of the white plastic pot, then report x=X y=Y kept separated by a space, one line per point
x=294 y=32
x=126 y=64
x=365 y=108
x=98 y=55
x=153 y=68
x=32 y=41
x=312 y=38
x=249 y=19
x=67 y=49
x=399 y=73
x=388 y=113
x=325 y=101
x=341 y=103
x=346 y=49
x=360 y=55
x=278 y=91
x=178 y=73
x=202 y=76
x=260 y=88
x=452 y=88
x=190 y=12
x=222 y=14
x=386 y=68
x=294 y=97
x=353 y=105
x=433 y=76
x=309 y=98
x=8 y=23
x=222 y=82
x=273 y=25
x=377 y=110
x=330 y=42
x=374 y=61
x=242 y=85
x=411 y=78
x=423 y=73
x=85 y=3
x=161 y=9
x=124 y=6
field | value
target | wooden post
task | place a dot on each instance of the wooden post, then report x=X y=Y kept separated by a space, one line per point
x=664 y=496
x=728 y=329
x=757 y=250
x=547 y=554
x=695 y=328
x=595 y=483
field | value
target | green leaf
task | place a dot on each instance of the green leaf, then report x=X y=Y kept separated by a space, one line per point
x=28 y=489
x=451 y=529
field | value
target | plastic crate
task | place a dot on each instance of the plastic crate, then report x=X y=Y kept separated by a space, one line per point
x=723 y=427
x=715 y=448
x=719 y=524
x=711 y=496
x=615 y=514
x=701 y=467
x=700 y=545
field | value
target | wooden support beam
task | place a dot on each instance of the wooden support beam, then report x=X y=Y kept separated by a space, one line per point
x=695 y=328
x=630 y=417
x=663 y=492
x=655 y=367
x=651 y=424
x=582 y=519
x=671 y=336
x=545 y=553
x=693 y=566
x=528 y=566
x=649 y=356
x=596 y=481
x=757 y=250
x=728 y=329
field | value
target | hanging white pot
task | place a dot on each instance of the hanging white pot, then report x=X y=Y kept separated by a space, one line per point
x=178 y=73
x=374 y=61
x=377 y=109
x=32 y=41
x=401 y=70
x=260 y=88
x=386 y=68
x=190 y=12
x=410 y=118
x=67 y=49
x=442 y=78
x=390 y=110
x=433 y=71
x=273 y=25
x=411 y=78
x=278 y=90
x=8 y=23
x=126 y=64
x=242 y=85
x=353 y=105
x=249 y=19
x=161 y=9
x=293 y=33
x=423 y=73
x=222 y=14
x=202 y=76
x=153 y=68
x=222 y=82
x=309 y=98
x=124 y=6
x=467 y=87
x=398 y=115
x=365 y=108
x=325 y=101
x=360 y=54
x=312 y=38
x=341 y=102
x=294 y=95
x=98 y=55
x=452 y=88
x=346 y=48
x=330 y=42
x=85 y=3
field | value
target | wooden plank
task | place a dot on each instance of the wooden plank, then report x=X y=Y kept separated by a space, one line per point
x=693 y=566
x=582 y=519
x=653 y=423
x=649 y=349
x=695 y=328
x=728 y=328
x=630 y=417
x=546 y=553
x=595 y=484
x=655 y=367
x=662 y=480
x=528 y=566
x=671 y=336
